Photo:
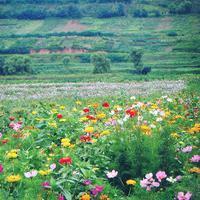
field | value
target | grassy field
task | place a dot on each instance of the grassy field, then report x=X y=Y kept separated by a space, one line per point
x=169 y=56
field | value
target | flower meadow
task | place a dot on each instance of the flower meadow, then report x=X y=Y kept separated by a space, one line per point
x=101 y=149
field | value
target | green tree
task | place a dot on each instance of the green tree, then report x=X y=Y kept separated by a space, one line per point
x=66 y=61
x=17 y=65
x=136 y=58
x=101 y=64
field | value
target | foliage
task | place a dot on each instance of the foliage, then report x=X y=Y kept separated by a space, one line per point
x=16 y=65
x=101 y=64
x=136 y=58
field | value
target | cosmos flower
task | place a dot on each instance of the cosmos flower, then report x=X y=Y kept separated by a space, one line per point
x=161 y=175
x=1 y=168
x=195 y=158
x=182 y=196
x=66 y=160
x=31 y=174
x=186 y=149
x=112 y=174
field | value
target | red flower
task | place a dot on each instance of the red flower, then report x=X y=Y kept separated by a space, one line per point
x=106 y=105
x=85 y=138
x=90 y=117
x=131 y=112
x=11 y=118
x=66 y=160
x=4 y=141
x=59 y=116
x=86 y=110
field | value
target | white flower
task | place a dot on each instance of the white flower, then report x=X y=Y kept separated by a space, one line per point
x=171 y=179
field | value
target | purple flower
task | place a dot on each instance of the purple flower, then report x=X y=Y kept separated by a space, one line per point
x=1 y=168
x=1 y=135
x=182 y=196
x=87 y=182
x=112 y=174
x=161 y=175
x=178 y=178
x=195 y=158
x=186 y=149
x=95 y=191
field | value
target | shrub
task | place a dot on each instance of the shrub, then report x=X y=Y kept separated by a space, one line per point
x=181 y=8
x=140 y=13
x=16 y=65
x=66 y=60
x=146 y=70
x=101 y=64
x=136 y=58
x=172 y=34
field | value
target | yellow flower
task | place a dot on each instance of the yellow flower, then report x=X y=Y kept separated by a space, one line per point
x=85 y=197
x=74 y=109
x=44 y=172
x=89 y=129
x=78 y=103
x=62 y=107
x=13 y=178
x=65 y=142
x=95 y=105
x=54 y=111
x=146 y=129
x=83 y=119
x=104 y=197
x=12 y=154
x=130 y=182
x=34 y=112
x=101 y=115
x=53 y=124
x=175 y=135
x=106 y=132
x=195 y=129
x=195 y=170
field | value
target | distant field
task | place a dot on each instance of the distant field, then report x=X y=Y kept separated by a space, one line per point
x=171 y=46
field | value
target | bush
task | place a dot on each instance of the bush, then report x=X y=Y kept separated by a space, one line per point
x=146 y=70
x=136 y=58
x=184 y=7
x=172 y=34
x=16 y=65
x=101 y=64
x=140 y=13
x=66 y=60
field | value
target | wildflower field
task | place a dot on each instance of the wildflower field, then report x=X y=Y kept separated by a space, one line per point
x=103 y=148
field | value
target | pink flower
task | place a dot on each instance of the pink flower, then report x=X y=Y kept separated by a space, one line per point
x=98 y=189
x=195 y=158
x=182 y=196
x=31 y=174
x=53 y=166
x=149 y=182
x=1 y=168
x=112 y=174
x=161 y=175
x=87 y=182
x=186 y=149
x=15 y=126
x=46 y=185
x=178 y=178
x=1 y=135
x=61 y=197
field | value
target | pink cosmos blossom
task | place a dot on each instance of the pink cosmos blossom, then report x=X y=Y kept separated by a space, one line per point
x=186 y=149
x=1 y=135
x=178 y=178
x=87 y=182
x=182 y=196
x=148 y=182
x=161 y=175
x=61 y=197
x=46 y=185
x=31 y=174
x=112 y=174
x=15 y=126
x=195 y=158
x=1 y=168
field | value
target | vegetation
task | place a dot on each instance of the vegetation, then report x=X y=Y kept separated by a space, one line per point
x=101 y=64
